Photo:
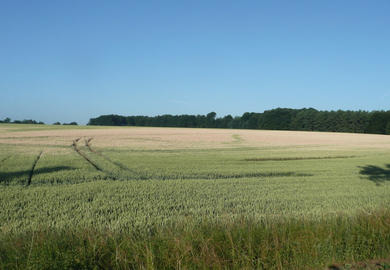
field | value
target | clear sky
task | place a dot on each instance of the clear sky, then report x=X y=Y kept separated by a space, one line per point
x=73 y=60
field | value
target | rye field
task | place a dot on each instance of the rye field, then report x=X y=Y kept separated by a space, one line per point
x=179 y=198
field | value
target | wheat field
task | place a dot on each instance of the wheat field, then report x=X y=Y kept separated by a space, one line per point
x=134 y=179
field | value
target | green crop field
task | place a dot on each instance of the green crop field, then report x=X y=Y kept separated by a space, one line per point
x=152 y=198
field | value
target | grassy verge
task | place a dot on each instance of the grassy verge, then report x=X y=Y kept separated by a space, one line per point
x=244 y=244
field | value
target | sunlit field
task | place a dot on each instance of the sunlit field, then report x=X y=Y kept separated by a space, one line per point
x=177 y=189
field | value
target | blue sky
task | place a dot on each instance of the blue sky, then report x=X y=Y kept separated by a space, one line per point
x=73 y=60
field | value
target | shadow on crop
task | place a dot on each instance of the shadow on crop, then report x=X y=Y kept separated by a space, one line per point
x=215 y=176
x=6 y=177
x=376 y=174
x=295 y=158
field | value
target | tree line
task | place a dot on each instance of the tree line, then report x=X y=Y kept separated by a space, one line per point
x=306 y=119
x=26 y=121
x=29 y=121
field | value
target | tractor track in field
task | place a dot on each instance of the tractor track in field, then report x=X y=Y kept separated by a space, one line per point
x=33 y=168
x=93 y=164
x=4 y=159
x=118 y=164
x=75 y=148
